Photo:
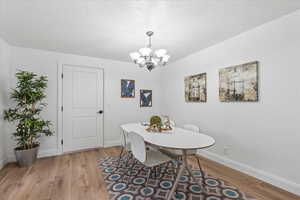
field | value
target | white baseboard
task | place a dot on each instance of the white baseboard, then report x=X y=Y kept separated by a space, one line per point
x=49 y=152
x=42 y=154
x=259 y=174
x=52 y=152
x=112 y=143
x=2 y=163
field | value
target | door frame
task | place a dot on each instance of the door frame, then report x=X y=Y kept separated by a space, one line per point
x=60 y=66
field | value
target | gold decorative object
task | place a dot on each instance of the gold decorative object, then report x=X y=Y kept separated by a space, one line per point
x=166 y=125
x=157 y=125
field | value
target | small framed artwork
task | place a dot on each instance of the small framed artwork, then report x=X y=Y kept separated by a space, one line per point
x=145 y=98
x=239 y=83
x=195 y=88
x=127 y=88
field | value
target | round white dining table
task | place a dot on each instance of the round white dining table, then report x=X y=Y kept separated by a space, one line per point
x=177 y=138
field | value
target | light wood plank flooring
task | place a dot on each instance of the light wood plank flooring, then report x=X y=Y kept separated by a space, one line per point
x=76 y=176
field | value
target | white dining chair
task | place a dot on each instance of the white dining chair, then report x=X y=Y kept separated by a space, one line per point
x=125 y=147
x=151 y=158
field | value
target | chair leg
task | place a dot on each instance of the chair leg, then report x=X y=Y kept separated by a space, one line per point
x=128 y=159
x=156 y=171
x=174 y=165
x=148 y=176
x=120 y=156
x=178 y=161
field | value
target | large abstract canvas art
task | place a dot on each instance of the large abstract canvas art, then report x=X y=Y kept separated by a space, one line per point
x=195 y=88
x=127 y=88
x=239 y=83
x=146 y=98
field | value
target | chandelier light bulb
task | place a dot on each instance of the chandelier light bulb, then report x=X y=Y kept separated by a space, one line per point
x=160 y=52
x=140 y=60
x=145 y=51
x=154 y=61
x=165 y=58
x=134 y=56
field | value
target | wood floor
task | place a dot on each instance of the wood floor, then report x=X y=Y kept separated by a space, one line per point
x=76 y=176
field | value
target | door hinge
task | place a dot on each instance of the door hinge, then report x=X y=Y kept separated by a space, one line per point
x=62 y=108
x=62 y=75
x=61 y=142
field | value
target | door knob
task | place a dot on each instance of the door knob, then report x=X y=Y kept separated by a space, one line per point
x=100 y=111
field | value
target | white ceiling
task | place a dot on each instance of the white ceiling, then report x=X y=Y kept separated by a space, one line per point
x=113 y=28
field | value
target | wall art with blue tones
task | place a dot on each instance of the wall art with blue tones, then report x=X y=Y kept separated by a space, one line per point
x=146 y=98
x=127 y=88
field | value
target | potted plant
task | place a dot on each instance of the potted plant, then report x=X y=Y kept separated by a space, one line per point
x=28 y=97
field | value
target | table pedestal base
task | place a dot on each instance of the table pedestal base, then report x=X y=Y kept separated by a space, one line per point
x=184 y=166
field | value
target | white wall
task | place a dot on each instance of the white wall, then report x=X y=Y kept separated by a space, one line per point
x=4 y=84
x=262 y=136
x=116 y=110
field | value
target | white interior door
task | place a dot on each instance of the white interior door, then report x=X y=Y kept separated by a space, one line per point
x=82 y=107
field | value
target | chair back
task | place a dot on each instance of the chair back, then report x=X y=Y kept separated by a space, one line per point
x=191 y=127
x=138 y=147
x=125 y=142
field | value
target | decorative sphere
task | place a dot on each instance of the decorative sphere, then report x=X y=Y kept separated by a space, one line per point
x=155 y=120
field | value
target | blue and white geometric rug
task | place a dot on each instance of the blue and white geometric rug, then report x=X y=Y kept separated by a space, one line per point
x=121 y=186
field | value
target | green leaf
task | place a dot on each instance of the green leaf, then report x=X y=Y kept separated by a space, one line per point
x=28 y=96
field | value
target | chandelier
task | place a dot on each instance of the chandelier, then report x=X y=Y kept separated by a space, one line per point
x=148 y=58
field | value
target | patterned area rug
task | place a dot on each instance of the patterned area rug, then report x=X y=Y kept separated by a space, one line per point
x=121 y=186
